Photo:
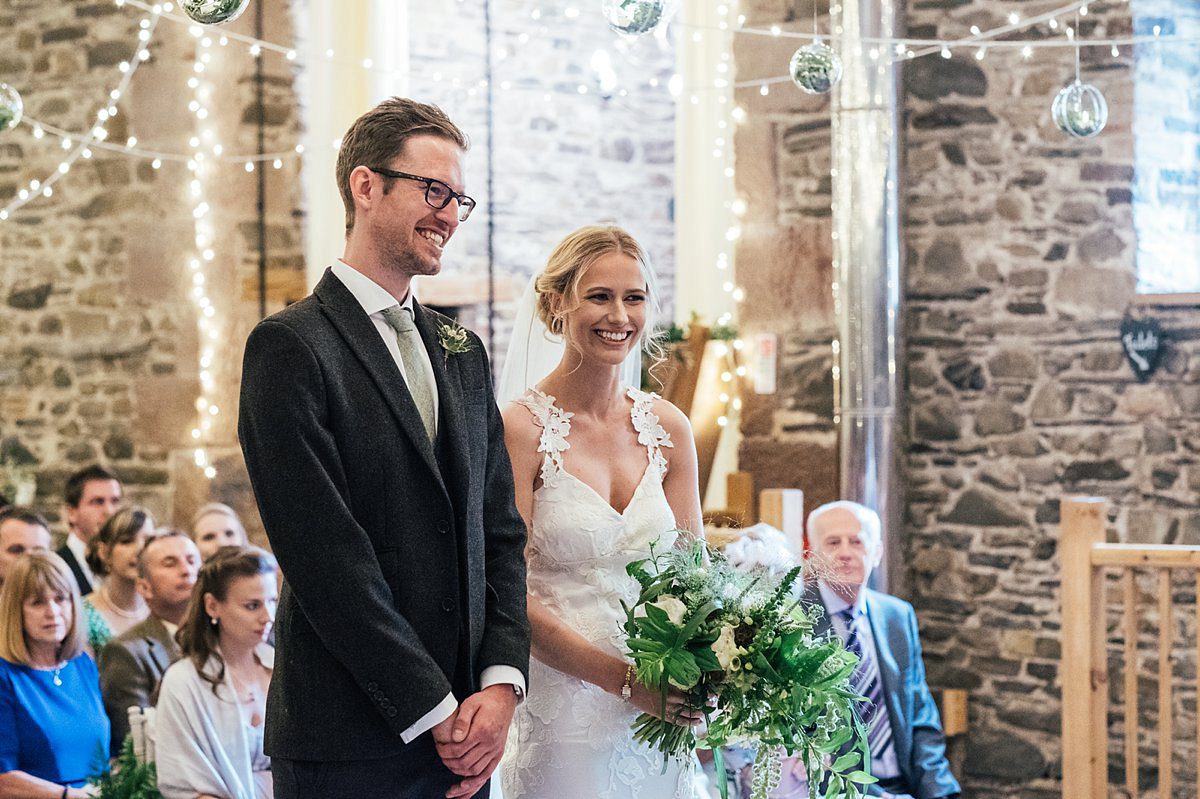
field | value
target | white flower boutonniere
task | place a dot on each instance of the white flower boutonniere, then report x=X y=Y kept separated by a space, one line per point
x=454 y=338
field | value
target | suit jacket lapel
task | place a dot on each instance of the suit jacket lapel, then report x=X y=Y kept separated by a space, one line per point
x=823 y=625
x=349 y=319
x=159 y=645
x=451 y=413
x=889 y=673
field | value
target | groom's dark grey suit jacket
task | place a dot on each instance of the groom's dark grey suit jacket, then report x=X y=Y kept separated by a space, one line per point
x=403 y=562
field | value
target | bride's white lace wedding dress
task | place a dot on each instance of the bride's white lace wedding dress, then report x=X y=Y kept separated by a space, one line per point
x=571 y=739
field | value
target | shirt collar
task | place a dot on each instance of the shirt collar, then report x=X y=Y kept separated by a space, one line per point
x=835 y=604
x=370 y=295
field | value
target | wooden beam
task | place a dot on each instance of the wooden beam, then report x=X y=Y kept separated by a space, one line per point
x=1160 y=556
x=1082 y=528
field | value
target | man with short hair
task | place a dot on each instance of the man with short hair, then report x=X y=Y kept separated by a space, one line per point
x=21 y=531
x=908 y=749
x=377 y=455
x=132 y=664
x=91 y=495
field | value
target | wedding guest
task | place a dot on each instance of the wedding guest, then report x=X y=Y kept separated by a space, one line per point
x=21 y=531
x=217 y=525
x=53 y=731
x=908 y=749
x=112 y=554
x=91 y=495
x=132 y=664
x=212 y=702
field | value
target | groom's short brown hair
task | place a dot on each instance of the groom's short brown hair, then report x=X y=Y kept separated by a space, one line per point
x=379 y=135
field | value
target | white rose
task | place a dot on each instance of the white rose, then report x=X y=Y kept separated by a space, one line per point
x=725 y=647
x=674 y=609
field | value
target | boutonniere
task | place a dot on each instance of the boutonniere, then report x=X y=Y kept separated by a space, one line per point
x=453 y=338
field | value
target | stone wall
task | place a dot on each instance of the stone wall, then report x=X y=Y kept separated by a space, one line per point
x=784 y=262
x=98 y=341
x=583 y=128
x=98 y=335
x=1020 y=266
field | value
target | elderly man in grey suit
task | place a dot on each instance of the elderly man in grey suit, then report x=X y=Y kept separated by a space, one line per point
x=132 y=664
x=377 y=456
x=908 y=749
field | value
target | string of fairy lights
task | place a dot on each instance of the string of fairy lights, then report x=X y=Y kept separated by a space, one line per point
x=813 y=67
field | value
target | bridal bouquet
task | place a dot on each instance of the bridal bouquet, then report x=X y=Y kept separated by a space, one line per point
x=741 y=646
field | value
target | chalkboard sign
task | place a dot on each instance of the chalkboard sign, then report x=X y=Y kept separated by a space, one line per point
x=1142 y=340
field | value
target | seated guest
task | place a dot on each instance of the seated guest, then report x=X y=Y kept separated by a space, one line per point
x=132 y=664
x=21 y=531
x=217 y=525
x=53 y=731
x=112 y=554
x=91 y=495
x=212 y=702
x=908 y=750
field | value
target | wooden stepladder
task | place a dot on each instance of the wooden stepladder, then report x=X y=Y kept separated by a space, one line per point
x=1086 y=560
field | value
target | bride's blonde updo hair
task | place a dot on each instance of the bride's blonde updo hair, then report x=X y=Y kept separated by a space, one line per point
x=557 y=287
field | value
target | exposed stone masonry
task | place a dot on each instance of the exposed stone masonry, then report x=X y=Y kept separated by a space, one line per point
x=1019 y=269
x=98 y=343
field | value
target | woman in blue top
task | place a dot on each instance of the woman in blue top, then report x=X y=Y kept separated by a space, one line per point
x=53 y=730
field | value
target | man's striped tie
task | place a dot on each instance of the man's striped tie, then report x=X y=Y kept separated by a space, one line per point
x=866 y=681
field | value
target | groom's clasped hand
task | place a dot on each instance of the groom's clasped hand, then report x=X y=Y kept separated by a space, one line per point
x=471 y=741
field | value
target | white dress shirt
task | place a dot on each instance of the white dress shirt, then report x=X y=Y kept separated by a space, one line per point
x=884 y=765
x=374 y=299
x=79 y=550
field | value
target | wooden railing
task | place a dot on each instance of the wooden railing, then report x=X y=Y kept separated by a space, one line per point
x=1086 y=559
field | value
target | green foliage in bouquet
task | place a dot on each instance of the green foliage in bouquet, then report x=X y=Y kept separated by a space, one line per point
x=741 y=647
x=129 y=778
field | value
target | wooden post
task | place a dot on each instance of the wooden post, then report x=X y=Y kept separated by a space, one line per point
x=1083 y=766
x=1131 y=668
x=783 y=509
x=1166 y=714
x=954 y=712
x=739 y=497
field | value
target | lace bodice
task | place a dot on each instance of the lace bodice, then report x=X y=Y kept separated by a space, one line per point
x=571 y=738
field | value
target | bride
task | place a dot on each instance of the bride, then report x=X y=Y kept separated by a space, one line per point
x=602 y=470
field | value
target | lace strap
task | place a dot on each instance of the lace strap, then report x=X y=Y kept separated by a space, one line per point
x=650 y=432
x=556 y=426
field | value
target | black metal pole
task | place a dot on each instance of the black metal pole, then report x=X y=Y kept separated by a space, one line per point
x=491 y=195
x=262 y=171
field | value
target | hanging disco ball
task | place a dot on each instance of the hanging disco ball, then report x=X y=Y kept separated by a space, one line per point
x=1080 y=110
x=11 y=107
x=635 y=17
x=815 y=68
x=213 y=12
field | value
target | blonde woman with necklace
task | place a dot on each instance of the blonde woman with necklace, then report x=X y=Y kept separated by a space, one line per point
x=212 y=702
x=53 y=730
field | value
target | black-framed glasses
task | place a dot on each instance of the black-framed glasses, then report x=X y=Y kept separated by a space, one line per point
x=437 y=194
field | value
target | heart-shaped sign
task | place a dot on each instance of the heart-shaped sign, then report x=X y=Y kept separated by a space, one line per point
x=1142 y=340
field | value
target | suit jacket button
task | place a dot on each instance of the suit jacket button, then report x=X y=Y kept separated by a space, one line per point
x=443 y=527
x=391 y=712
x=447 y=605
x=372 y=687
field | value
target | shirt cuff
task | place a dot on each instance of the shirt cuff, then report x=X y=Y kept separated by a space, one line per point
x=504 y=675
x=442 y=711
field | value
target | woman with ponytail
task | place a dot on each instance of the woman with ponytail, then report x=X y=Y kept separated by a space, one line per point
x=212 y=702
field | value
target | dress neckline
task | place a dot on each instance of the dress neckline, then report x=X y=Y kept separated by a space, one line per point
x=556 y=426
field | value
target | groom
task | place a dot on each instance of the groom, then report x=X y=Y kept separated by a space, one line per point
x=377 y=457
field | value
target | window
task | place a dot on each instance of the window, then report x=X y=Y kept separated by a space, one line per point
x=1166 y=128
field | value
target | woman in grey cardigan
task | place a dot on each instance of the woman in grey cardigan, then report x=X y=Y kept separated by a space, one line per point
x=212 y=702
